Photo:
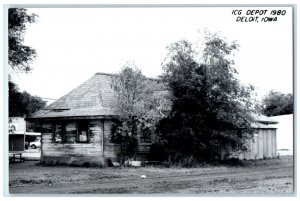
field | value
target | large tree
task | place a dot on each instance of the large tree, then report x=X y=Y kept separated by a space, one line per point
x=20 y=56
x=277 y=103
x=138 y=106
x=212 y=110
x=130 y=90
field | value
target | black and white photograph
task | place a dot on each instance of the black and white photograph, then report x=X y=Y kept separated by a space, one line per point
x=145 y=100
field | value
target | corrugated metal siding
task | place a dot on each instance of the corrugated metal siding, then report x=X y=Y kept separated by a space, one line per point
x=262 y=146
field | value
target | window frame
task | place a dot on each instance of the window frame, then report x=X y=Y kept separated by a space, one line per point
x=63 y=136
x=63 y=128
x=87 y=130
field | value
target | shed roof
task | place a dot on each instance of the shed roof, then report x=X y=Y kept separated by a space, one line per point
x=265 y=126
x=95 y=97
x=264 y=119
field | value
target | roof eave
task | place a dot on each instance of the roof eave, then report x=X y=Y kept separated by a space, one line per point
x=71 y=117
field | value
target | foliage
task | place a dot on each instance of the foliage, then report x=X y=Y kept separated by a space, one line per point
x=20 y=58
x=277 y=103
x=19 y=55
x=137 y=106
x=33 y=126
x=130 y=88
x=211 y=112
x=130 y=85
x=146 y=129
x=22 y=103
x=11 y=127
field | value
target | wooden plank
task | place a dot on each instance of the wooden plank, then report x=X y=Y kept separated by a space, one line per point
x=71 y=126
x=107 y=131
x=74 y=149
x=47 y=128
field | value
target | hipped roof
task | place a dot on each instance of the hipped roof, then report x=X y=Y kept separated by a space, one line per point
x=95 y=97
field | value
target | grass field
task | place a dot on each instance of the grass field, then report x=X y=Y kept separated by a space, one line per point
x=260 y=177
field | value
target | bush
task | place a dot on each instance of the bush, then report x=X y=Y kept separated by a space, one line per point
x=233 y=162
x=178 y=160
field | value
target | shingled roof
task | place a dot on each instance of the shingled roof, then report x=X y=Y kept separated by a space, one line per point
x=95 y=97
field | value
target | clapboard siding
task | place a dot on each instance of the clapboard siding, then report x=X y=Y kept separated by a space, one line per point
x=107 y=131
x=98 y=147
x=111 y=150
x=72 y=150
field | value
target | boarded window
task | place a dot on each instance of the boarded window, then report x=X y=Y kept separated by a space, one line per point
x=83 y=131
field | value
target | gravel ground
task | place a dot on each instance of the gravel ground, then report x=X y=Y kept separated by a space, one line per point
x=262 y=177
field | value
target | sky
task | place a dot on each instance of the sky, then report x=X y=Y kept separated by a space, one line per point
x=75 y=43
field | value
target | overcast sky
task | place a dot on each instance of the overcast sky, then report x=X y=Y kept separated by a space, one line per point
x=75 y=43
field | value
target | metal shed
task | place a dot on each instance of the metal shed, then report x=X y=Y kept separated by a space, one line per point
x=264 y=143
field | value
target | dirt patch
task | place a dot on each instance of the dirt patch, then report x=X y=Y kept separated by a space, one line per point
x=263 y=176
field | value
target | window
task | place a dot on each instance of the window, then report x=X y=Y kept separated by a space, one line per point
x=83 y=131
x=59 y=133
x=71 y=132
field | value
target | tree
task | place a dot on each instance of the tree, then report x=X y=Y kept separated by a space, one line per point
x=137 y=106
x=22 y=104
x=211 y=111
x=277 y=103
x=20 y=56
x=129 y=85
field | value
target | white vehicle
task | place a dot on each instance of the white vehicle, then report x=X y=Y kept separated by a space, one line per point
x=35 y=144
